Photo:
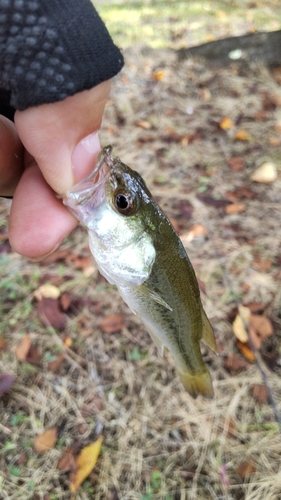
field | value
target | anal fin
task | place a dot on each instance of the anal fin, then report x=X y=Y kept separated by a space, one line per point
x=208 y=334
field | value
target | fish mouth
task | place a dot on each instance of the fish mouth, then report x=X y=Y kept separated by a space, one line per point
x=89 y=194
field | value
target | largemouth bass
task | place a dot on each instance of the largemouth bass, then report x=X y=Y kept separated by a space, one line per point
x=137 y=249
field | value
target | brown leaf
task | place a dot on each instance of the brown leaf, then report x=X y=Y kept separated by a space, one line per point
x=240 y=193
x=196 y=232
x=214 y=202
x=46 y=440
x=65 y=301
x=229 y=427
x=112 y=324
x=235 y=363
x=158 y=75
x=50 y=314
x=246 y=350
x=237 y=163
x=255 y=307
x=244 y=469
x=53 y=365
x=23 y=349
x=6 y=382
x=143 y=124
x=67 y=460
x=85 y=463
x=262 y=265
x=242 y=135
x=33 y=357
x=2 y=343
x=260 y=327
x=79 y=261
x=259 y=393
x=241 y=322
x=235 y=208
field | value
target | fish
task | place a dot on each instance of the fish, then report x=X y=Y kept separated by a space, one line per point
x=137 y=249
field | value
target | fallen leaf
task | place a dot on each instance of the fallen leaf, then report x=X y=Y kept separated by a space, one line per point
x=237 y=163
x=259 y=393
x=262 y=265
x=214 y=202
x=229 y=427
x=53 y=365
x=46 y=440
x=143 y=124
x=85 y=463
x=245 y=349
x=6 y=382
x=197 y=231
x=2 y=343
x=79 y=262
x=240 y=193
x=241 y=322
x=23 y=349
x=65 y=301
x=67 y=460
x=235 y=363
x=265 y=174
x=235 y=208
x=260 y=327
x=242 y=135
x=274 y=141
x=255 y=307
x=112 y=324
x=50 y=314
x=158 y=75
x=68 y=341
x=226 y=123
x=48 y=291
x=244 y=469
x=33 y=357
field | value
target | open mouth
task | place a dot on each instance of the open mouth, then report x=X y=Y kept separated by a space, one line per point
x=88 y=194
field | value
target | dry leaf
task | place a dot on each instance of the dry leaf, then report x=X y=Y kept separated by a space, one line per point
x=235 y=363
x=144 y=124
x=260 y=327
x=197 y=231
x=23 y=349
x=68 y=341
x=33 y=357
x=265 y=174
x=229 y=427
x=242 y=135
x=236 y=163
x=158 y=75
x=214 y=202
x=226 y=123
x=50 y=314
x=235 y=208
x=245 y=349
x=2 y=343
x=65 y=301
x=244 y=469
x=241 y=323
x=67 y=460
x=262 y=265
x=112 y=324
x=48 y=291
x=6 y=382
x=46 y=441
x=259 y=393
x=85 y=463
x=53 y=365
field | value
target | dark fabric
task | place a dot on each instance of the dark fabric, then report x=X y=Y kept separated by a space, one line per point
x=51 y=49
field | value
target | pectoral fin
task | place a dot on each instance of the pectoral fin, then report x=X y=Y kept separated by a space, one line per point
x=208 y=334
x=148 y=292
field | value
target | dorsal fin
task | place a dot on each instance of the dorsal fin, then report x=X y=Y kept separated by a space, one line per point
x=208 y=334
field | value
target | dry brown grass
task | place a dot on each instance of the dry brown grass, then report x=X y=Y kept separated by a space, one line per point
x=158 y=442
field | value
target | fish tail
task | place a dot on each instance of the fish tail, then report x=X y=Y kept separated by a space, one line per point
x=198 y=384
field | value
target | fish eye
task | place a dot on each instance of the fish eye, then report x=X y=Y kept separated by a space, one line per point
x=124 y=203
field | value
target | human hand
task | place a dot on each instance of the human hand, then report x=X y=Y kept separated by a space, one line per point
x=50 y=148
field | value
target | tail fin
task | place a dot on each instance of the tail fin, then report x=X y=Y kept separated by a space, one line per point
x=198 y=384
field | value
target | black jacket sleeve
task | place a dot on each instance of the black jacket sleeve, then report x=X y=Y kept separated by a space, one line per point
x=51 y=49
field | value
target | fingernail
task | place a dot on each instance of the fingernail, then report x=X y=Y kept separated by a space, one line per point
x=85 y=155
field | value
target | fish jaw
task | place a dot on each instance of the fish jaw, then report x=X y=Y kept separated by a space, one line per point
x=89 y=194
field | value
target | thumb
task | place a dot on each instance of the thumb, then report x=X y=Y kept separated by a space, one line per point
x=62 y=136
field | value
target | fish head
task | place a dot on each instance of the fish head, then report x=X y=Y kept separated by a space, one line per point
x=114 y=204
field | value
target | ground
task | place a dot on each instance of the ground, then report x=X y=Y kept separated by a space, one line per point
x=92 y=367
